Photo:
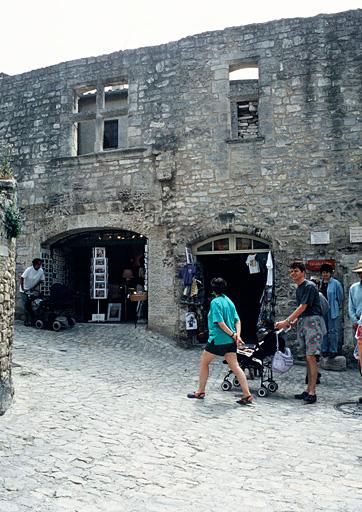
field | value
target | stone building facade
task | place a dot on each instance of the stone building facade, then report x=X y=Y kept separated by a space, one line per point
x=163 y=142
x=7 y=295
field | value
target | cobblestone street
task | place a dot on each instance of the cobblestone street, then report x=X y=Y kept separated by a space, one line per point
x=101 y=423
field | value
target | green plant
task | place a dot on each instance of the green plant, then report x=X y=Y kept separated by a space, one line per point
x=12 y=221
x=5 y=166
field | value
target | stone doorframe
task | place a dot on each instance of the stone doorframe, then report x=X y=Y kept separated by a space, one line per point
x=162 y=308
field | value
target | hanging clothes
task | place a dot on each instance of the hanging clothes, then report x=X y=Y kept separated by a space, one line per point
x=268 y=299
x=187 y=273
x=269 y=266
x=194 y=287
x=253 y=264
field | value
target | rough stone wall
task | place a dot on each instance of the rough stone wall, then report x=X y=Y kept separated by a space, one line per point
x=183 y=173
x=7 y=297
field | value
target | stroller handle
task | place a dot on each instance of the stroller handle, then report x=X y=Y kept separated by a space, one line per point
x=281 y=331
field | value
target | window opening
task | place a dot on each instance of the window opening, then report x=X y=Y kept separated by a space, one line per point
x=100 y=118
x=248 y=121
x=244 y=93
x=222 y=244
x=231 y=244
x=110 y=135
x=243 y=244
x=84 y=99
x=85 y=137
x=244 y=74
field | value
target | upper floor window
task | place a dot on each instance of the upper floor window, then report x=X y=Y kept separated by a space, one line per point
x=101 y=118
x=244 y=93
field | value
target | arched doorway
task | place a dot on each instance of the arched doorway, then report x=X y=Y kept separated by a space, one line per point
x=241 y=261
x=101 y=268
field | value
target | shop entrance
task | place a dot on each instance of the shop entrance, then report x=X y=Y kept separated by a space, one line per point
x=241 y=261
x=102 y=269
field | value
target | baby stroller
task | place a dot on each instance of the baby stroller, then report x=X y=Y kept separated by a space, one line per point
x=55 y=312
x=258 y=361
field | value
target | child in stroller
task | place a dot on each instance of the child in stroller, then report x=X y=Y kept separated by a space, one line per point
x=257 y=360
x=55 y=312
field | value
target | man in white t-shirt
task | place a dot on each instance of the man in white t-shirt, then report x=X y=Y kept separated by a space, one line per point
x=29 y=281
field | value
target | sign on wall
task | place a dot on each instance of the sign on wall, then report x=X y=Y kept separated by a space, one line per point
x=355 y=234
x=315 y=265
x=320 y=237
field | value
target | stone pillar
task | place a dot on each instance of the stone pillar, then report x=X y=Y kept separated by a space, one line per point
x=163 y=311
x=7 y=296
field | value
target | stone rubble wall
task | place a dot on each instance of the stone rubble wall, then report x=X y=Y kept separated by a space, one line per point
x=7 y=298
x=184 y=173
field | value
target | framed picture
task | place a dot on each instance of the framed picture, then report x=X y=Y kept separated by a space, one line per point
x=100 y=277
x=114 y=312
x=191 y=321
x=99 y=252
x=99 y=261
x=99 y=270
x=100 y=285
x=100 y=294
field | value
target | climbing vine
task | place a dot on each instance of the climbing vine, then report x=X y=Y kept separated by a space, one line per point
x=12 y=222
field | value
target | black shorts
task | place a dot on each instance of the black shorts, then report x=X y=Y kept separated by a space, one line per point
x=220 y=350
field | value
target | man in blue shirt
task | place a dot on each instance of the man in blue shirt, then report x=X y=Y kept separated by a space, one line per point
x=333 y=292
x=355 y=298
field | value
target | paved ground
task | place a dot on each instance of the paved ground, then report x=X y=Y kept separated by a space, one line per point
x=100 y=423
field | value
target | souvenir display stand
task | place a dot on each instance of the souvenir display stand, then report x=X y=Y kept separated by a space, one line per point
x=99 y=280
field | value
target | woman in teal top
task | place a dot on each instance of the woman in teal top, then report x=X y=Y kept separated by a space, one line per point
x=224 y=336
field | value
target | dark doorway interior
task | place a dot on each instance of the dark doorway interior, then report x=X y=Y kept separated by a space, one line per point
x=244 y=289
x=72 y=261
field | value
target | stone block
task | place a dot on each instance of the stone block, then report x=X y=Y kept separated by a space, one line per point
x=337 y=364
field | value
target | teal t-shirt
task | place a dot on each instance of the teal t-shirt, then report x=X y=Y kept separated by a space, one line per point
x=222 y=309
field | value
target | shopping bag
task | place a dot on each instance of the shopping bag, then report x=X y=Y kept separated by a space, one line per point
x=282 y=361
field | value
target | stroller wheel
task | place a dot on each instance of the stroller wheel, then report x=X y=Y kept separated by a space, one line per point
x=272 y=387
x=262 y=392
x=39 y=324
x=226 y=385
x=56 y=325
x=236 y=383
x=71 y=321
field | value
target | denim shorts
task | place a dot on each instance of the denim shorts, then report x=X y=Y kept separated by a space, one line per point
x=220 y=350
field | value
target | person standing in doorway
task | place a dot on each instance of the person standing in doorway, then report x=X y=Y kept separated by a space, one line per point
x=29 y=282
x=310 y=334
x=224 y=336
x=355 y=298
x=333 y=292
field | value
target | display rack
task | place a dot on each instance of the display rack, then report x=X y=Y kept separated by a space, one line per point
x=99 y=280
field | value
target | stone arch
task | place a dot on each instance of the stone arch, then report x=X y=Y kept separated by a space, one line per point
x=203 y=232
x=57 y=229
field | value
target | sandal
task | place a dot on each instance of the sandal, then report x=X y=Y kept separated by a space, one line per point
x=197 y=395
x=245 y=400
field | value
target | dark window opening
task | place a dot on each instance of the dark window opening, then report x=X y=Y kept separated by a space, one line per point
x=110 y=137
x=247 y=112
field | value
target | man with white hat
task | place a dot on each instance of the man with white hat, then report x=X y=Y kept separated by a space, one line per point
x=355 y=297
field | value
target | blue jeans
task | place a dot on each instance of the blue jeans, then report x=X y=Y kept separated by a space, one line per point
x=26 y=308
x=330 y=340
